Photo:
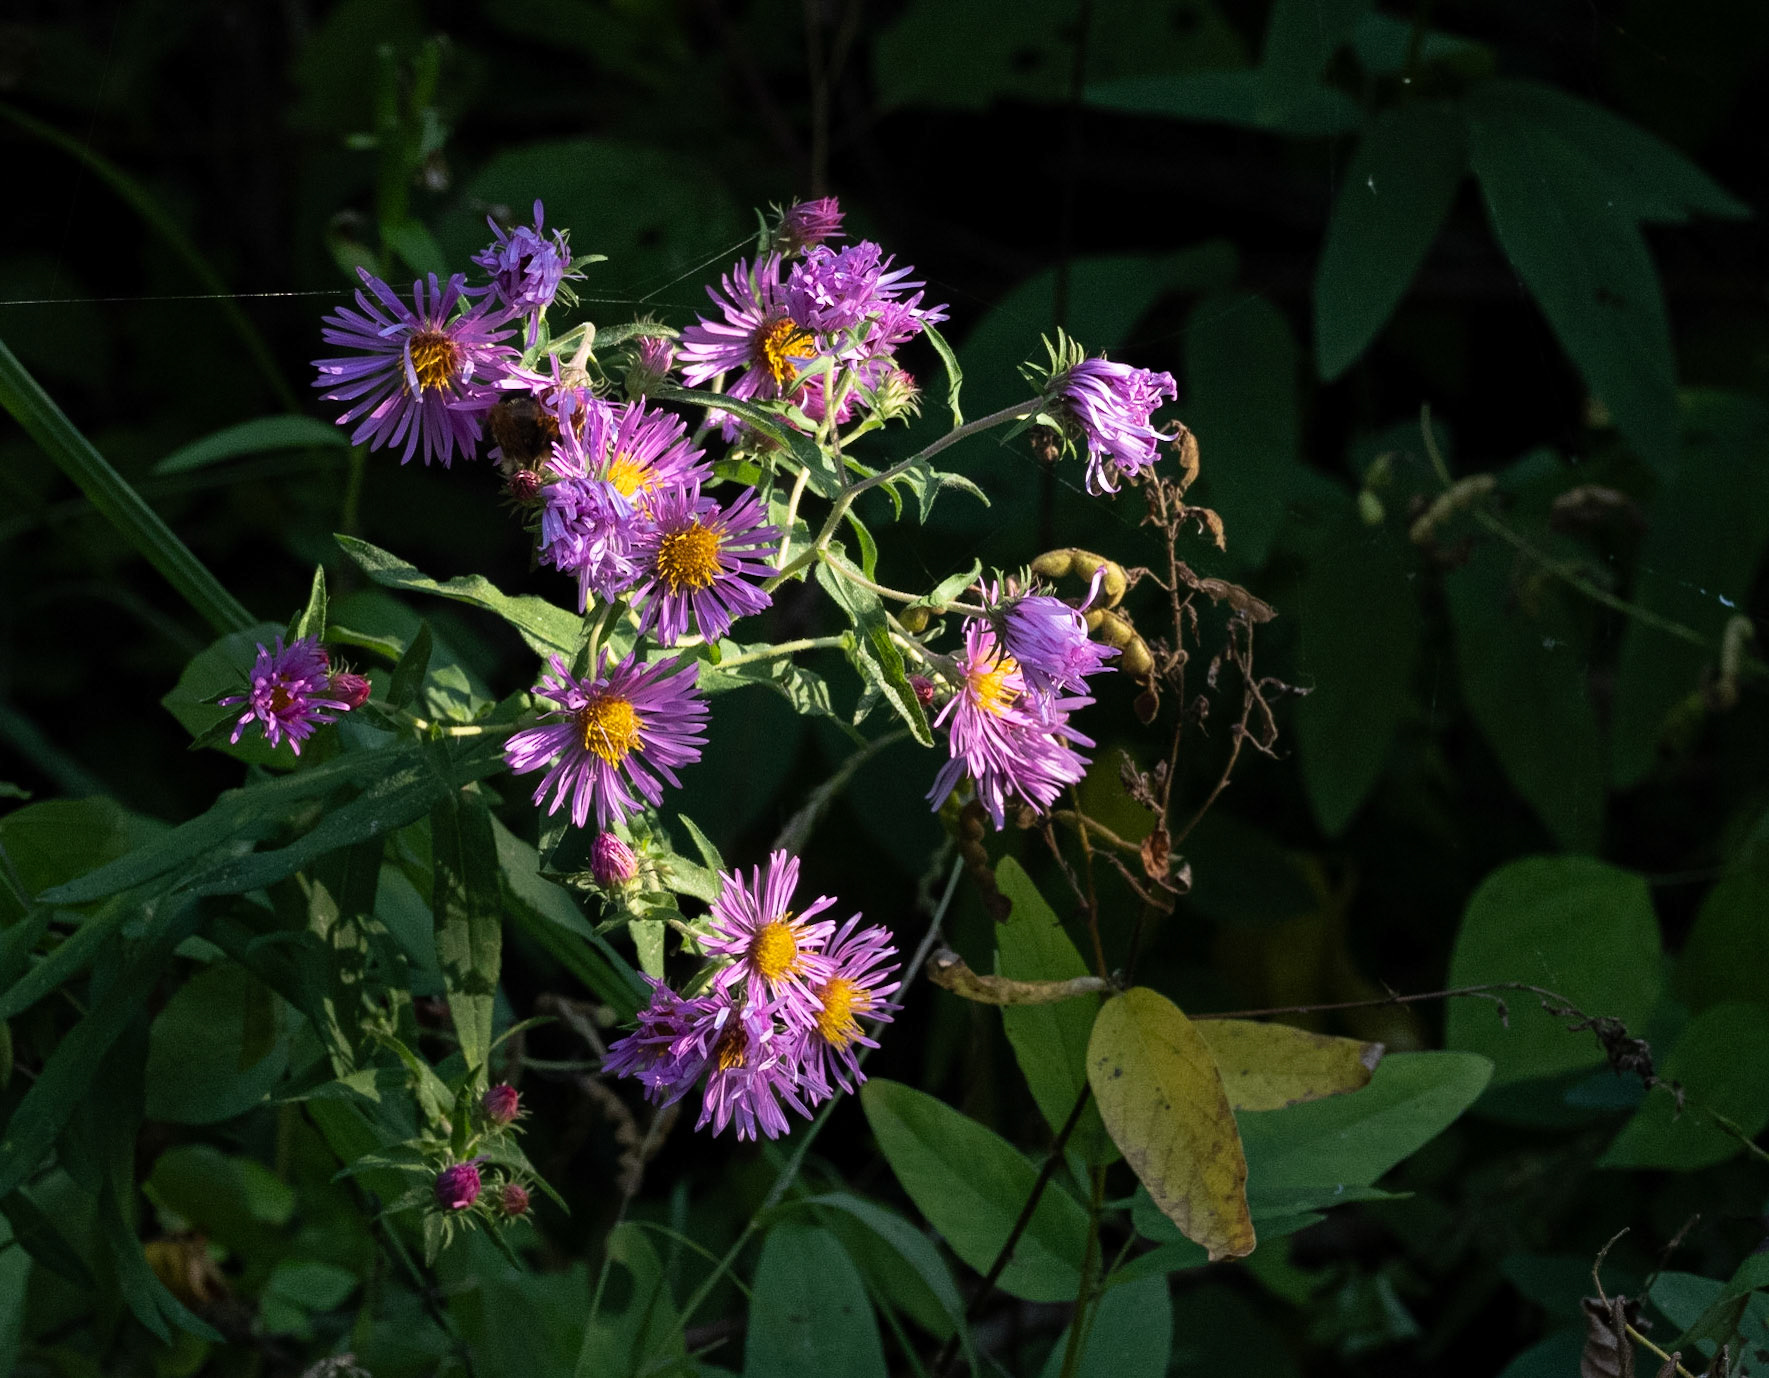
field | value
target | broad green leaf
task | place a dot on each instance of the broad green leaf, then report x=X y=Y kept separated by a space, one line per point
x=469 y=922
x=1350 y=1141
x=1049 y=1041
x=954 y=374
x=1582 y=257
x=252 y=438
x=809 y=1316
x=203 y=1062
x=37 y=1234
x=1721 y=1060
x=635 y=1322
x=1726 y=956
x=1392 y=201
x=408 y=674
x=1269 y=1066
x=1163 y=1103
x=236 y=1201
x=1507 y=658
x=15 y=1276
x=341 y=893
x=1707 y=1311
x=1555 y=1357
x=1243 y=98
x=1129 y=1335
x=1360 y=641
x=1383 y=44
x=1576 y=926
x=1709 y=529
x=52 y=842
x=873 y=653
x=971 y=1185
x=547 y=629
x=1301 y=37
x=900 y=1261
x=1220 y=1330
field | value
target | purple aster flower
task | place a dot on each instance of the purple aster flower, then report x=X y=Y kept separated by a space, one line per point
x=807 y=223
x=526 y=269
x=613 y=735
x=421 y=376
x=857 y=987
x=588 y=530
x=1108 y=406
x=1047 y=638
x=1013 y=743
x=775 y=953
x=753 y=1067
x=641 y=452
x=757 y=335
x=832 y=290
x=612 y=862
x=668 y=1050
x=457 y=1186
x=290 y=694
x=694 y=558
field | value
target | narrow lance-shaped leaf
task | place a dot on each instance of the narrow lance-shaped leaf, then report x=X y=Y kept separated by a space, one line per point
x=469 y=929
x=874 y=654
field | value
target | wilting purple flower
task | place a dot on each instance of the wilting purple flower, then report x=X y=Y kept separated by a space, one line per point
x=526 y=269
x=291 y=692
x=614 y=735
x=612 y=862
x=775 y=952
x=457 y=1187
x=694 y=559
x=1108 y=406
x=588 y=530
x=757 y=335
x=1047 y=639
x=807 y=223
x=857 y=987
x=513 y=1201
x=668 y=1050
x=502 y=1104
x=752 y=1067
x=1010 y=741
x=421 y=377
x=351 y=690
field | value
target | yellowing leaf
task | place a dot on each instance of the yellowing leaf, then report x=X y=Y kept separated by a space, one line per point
x=1269 y=1066
x=1163 y=1103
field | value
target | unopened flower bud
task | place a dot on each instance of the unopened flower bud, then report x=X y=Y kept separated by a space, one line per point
x=457 y=1187
x=513 y=1200
x=808 y=223
x=523 y=486
x=502 y=1104
x=350 y=690
x=612 y=862
x=651 y=365
x=896 y=395
x=924 y=689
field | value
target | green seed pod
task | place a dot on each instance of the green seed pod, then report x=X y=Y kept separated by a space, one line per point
x=914 y=618
x=1135 y=659
x=1053 y=564
x=1115 y=630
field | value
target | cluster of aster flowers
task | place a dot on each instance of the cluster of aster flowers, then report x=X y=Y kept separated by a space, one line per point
x=293 y=690
x=778 y=1025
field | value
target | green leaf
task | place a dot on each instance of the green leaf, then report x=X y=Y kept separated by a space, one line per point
x=1162 y=1100
x=923 y=1284
x=1707 y=1312
x=1391 y=205
x=65 y=961
x=1269 y=1066
x=469 y=925
x=1049 y=1041
x=252 y=438
x=1129 y=1335
x=1576 y=926
x=224 y=667
x=1508 y=657
x=971 y=1185
x=202 y=1064
x=52 y=842
x=1300 y=39
x=408 y=674
x=1242 y=98
x=1582 y=257
x=809 y=1317
x=1721 y=1060
x=1360 y=642
x=1351 y=1140
x=1726 y=956
x=108 y=491
x=36 y=1233
x=635 y=1321
x=312 y=621
x=954 y=374
x=548 y=630
x=873 y=653
x=826 y=477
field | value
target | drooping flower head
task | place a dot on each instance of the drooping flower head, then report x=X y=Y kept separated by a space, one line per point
x=1012 y=742
x=696 y=559
x=1107 y=406
x=667 y=1052
x=776 y=954
x=857 y=987
x=752 y=1066
x=808 y=223
x=290 y=694
x=526 y=269
x=1046 y=638
x=422 y=372
x=758 y=336
x=612 y=737
x=457 y=1186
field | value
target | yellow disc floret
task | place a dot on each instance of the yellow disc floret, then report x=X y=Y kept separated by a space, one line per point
x=610 y=728
x=688 y=558
x=781 y=345
x=732 y=1049
x=629 y=475
x=435 y=359
x=775 y=950
x=989 y=687
x=842 y=1000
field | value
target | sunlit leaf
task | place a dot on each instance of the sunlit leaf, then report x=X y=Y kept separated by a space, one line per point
x=1269 y=1066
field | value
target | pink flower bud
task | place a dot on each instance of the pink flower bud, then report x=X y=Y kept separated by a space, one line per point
x=924 y=689
x=612 y=862
x=457 y=1187
x=513 y=1200
x=350 y=690
x=523 y=486
x=502 y=1104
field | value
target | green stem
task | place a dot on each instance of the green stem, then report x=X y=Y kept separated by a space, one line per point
x=785 y=648
x=114 y=498
x=1090 y=1260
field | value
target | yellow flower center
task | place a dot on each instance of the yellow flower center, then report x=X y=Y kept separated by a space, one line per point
x=775 y=950
x=629 y=475
x=688 y=558
x=732 y=1049
x=842 y=1000
x=435 y=358
x=281 y=700
x=781 y=344
x=989 y=688
x=610 y=728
